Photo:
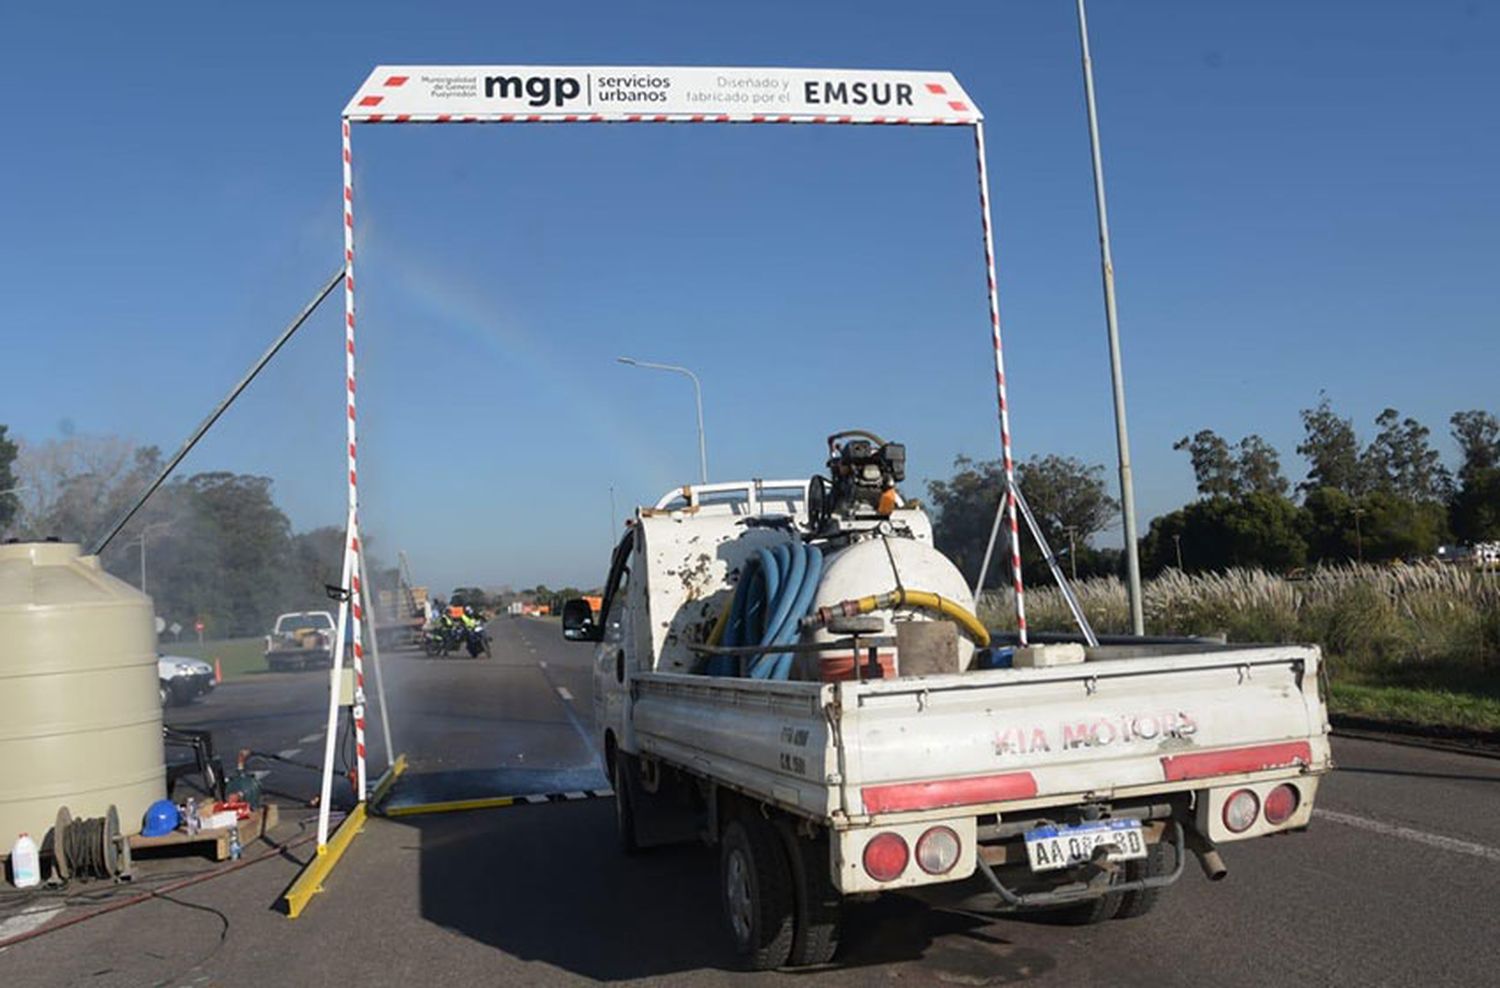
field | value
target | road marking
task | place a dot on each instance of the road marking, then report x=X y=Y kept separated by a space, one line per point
x=260 y=773
x=562 y=691
x=1407 y=833
x=311 y=738
x=289 y=753
x=27 y=921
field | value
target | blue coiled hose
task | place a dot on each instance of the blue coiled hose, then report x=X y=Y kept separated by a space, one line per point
x=775 y=592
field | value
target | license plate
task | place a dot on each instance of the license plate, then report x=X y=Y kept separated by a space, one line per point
x=1051 y=848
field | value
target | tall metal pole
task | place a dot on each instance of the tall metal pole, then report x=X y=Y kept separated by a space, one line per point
x=697 y=397
x=1116 y=374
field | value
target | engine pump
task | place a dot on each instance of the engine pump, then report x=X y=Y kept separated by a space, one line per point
x=864 y=471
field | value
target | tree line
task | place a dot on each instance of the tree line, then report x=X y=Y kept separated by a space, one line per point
x=217 y=548
x=1391 y=498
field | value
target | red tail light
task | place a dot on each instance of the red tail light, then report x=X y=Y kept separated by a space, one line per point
x=885 y=857
x=1281 y=803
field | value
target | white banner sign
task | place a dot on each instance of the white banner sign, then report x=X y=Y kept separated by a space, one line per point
x=444 y=93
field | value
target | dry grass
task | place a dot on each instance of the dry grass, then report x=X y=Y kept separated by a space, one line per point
x=1416 y=625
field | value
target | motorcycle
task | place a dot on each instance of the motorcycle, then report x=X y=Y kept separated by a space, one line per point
x=439 y=640
x=477 y=640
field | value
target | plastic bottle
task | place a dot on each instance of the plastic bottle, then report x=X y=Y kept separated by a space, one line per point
x=194 y=821
x=25 y=863
x=234 y=843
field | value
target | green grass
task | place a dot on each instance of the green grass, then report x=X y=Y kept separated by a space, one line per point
x=1432 y=707
x=237 y=656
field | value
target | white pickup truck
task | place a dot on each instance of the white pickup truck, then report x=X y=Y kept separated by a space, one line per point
x=1074 y=780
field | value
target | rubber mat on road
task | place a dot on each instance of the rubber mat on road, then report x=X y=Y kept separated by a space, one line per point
x=474 y=789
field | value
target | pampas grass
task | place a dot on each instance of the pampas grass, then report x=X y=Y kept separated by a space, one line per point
x=1369 y=619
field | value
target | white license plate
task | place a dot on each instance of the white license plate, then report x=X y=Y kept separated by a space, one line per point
x=1050 y=848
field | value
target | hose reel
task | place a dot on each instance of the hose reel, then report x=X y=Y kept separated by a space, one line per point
x=90 y=847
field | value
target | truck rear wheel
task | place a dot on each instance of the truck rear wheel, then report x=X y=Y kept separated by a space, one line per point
x=819 y=907
x=1089 y=911
x=756 y=881
x=1160 y=859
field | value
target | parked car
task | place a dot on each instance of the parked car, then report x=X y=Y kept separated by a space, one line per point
x=182 y=680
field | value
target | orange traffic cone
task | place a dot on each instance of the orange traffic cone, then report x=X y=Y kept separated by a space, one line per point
x=218 y=671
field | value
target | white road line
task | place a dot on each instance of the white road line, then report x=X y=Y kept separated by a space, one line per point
x=260 y=773
x=27 y=921
x=311 y=738
x=1407 y=833
x=289 y=753
x=562 y=691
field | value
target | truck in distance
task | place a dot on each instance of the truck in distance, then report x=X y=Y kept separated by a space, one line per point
x=301 y=640
x=792 y=671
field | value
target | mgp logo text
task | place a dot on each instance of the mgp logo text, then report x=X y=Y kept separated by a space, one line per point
x=536 y=90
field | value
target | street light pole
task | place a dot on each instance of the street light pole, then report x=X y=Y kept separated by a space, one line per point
x=697 y=397
x=141 y=540
x=1122 y=439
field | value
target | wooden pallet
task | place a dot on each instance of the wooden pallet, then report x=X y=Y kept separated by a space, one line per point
x=215 y=841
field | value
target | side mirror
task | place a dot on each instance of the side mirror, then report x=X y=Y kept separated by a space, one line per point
x=578 y=622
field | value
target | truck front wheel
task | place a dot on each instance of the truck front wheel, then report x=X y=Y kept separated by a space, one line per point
x=757 y=887
x=625 y=802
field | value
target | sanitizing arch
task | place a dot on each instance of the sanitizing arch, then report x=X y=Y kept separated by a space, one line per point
x=465 y=94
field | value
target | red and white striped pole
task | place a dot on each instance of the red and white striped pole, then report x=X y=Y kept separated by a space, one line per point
x=351 y=610
x=1005 y=453
x=356 y=595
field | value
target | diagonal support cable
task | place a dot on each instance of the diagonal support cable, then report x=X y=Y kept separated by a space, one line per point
x=219 y=410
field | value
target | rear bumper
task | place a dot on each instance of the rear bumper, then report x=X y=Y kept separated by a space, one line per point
x=305 y=657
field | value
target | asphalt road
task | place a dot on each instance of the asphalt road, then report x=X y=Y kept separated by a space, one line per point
x=1396 y=883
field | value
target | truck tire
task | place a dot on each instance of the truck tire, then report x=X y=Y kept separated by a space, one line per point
x=756 y=884
x=625 y=803
x=1160 y=859
x=819 y=906
x=1089 y=911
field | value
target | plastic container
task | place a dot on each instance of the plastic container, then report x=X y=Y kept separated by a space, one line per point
x=81 y=720
x=25 y=862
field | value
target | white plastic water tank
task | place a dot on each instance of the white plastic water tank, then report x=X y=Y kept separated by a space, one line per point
x=878 y=566
x=81 y=721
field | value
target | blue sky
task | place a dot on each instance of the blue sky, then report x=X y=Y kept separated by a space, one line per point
x=1303 y=197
